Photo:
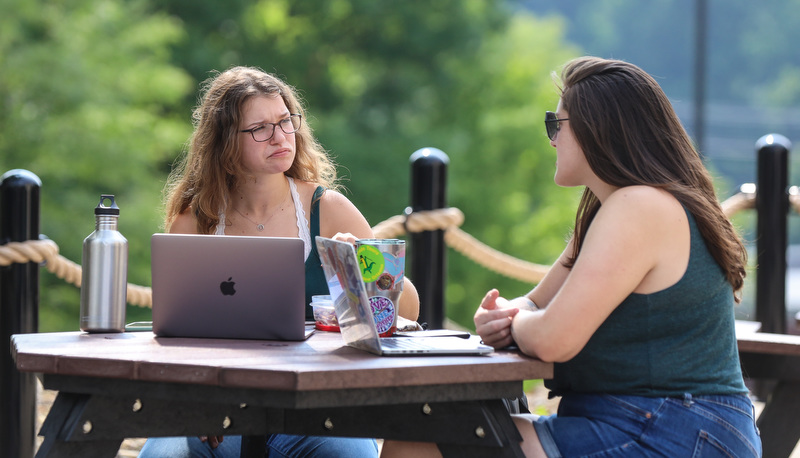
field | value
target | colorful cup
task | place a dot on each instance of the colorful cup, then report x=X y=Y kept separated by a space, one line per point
x=382 y=263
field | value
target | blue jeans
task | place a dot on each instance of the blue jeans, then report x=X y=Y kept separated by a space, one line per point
x=601 y=425
x=278 y=446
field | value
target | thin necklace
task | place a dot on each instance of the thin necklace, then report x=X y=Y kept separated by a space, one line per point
x=260 y=226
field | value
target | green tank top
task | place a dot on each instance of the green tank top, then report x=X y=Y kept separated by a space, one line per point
x=315 y=277
x=675 y=341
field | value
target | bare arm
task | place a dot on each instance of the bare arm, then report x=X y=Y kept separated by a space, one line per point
x=409 y=301
x=544 y=292
x=339 y=215
x=494 y=316
x=618 y=257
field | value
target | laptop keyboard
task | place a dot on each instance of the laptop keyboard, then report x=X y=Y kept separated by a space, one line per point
x=404 y=343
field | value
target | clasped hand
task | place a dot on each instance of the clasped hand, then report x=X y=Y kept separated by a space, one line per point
x=213 y=441
x=493 y=320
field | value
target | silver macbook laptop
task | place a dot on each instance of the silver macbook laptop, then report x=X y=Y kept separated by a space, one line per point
x=230 y=287
x=355 y=318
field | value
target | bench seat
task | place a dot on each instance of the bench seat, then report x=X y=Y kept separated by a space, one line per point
x=772 y=362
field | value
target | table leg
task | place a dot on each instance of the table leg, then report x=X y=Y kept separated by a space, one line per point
x=97 y=423
x=463 y=429
x=253 y=446
x=778 y=423
x=61 y=424
x=505 y=430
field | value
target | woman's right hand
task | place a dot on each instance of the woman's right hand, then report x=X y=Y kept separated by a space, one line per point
x=213 y=441
x=493 y=320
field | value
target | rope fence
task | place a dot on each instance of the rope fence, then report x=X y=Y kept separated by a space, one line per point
x=448 y=220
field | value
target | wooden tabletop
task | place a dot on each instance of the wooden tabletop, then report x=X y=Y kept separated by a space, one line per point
x=322 y=362
x=768 y=343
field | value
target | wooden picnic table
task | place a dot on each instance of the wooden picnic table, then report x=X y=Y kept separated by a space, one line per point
x=116 y=386
x=773 y=361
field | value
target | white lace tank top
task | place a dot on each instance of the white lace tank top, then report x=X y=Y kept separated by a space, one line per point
x=303 y=231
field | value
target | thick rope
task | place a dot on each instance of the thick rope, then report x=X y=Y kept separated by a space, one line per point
x=46 y=251
x=738 y=202
x=446 y=219
x=492 y=259
x=747 y=201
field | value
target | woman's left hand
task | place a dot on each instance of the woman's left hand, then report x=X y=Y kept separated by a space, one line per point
x=493 y=320
x=345 y=237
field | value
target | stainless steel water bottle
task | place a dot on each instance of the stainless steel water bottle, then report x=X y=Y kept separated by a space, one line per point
x=104 y=279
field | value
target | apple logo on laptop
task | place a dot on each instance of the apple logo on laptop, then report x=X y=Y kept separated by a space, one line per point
x=227 y=287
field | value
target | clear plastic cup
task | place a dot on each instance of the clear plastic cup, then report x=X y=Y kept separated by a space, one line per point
x=324 y=313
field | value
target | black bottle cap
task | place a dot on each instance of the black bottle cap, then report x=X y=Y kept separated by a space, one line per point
x=102 y=209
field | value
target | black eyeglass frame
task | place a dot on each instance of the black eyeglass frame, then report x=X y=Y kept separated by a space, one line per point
x=551 y=124
x=252 y=130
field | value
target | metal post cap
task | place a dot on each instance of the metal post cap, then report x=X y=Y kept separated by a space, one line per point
x=773 y=140
x=20 y=176
x=429 y=154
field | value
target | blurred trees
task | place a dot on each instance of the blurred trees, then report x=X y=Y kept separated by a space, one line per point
x=91 y=105
x=98 y=96
x=752 y=71
x=383 y=79
x=751 y=46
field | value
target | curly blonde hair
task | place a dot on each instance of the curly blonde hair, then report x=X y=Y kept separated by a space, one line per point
x=207 y=173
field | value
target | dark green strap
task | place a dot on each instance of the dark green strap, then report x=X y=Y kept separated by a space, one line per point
x=314 y=218
x=315 y=277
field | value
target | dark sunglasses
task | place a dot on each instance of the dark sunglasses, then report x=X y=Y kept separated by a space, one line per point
x=551 y=124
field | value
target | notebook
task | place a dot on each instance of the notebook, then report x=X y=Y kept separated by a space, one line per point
x=228 y=287
x=355 y=315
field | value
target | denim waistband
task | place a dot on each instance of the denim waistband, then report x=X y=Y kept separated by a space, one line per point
x=740 y=402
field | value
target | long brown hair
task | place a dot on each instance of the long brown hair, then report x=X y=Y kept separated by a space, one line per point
x=206 y=174
x=630 y=135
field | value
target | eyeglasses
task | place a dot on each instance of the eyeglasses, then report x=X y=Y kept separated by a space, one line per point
x=265 y=131
x=551 y=124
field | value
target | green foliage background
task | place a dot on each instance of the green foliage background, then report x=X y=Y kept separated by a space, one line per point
x=91 y=104
x=97 y=96
x=97 y=99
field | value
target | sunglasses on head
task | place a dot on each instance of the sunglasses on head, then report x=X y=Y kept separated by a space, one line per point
x=552 y=124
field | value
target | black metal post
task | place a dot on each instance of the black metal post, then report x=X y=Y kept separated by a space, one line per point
x=427 y=268
x=700 y=39
x=772 y=206
x=19 y=311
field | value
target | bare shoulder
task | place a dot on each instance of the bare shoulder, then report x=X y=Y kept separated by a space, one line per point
x=184 y=223
x=335 y=199
x=644 y=202
x=329 y=199
x=340 y=215
x=305 y=189
x=335 y=204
